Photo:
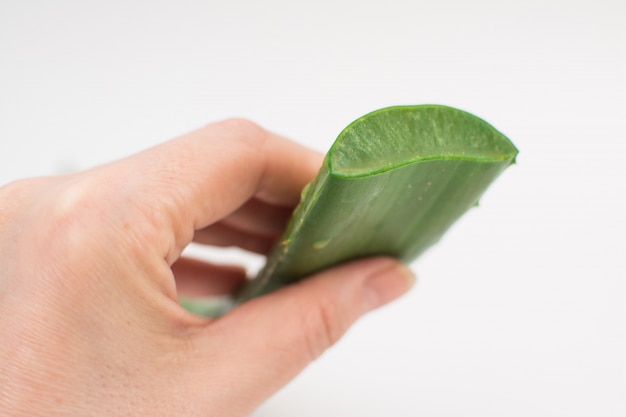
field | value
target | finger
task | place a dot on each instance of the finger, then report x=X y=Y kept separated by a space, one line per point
x=253 y=227
x=220 y=234
x=196 y=278
x=259 y=218
x=214 y=170
x=274 y=337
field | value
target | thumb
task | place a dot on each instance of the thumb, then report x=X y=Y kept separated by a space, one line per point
x=275 y=336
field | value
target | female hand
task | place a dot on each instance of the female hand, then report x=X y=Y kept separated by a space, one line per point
x=91 y=273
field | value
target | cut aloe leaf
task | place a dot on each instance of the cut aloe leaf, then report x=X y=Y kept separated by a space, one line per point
x=393 y=183
x=208 y=307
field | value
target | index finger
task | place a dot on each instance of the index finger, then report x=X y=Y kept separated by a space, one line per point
x=203 y=176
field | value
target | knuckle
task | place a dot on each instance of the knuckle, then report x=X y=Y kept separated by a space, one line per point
x=68 y=217
x=74 y=200
x=79 y=211
x=323 y=325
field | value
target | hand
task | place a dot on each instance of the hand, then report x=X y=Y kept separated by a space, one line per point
x=91 y=272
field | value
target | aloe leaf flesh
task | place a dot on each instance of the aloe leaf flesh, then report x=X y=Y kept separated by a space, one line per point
x=393 y=183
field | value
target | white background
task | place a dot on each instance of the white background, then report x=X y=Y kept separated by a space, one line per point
x=519 y=311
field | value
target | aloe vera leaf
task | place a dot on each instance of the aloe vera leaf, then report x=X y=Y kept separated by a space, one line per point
x=393 y=183
x=208 y=307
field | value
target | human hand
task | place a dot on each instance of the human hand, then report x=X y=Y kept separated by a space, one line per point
x=91 y=273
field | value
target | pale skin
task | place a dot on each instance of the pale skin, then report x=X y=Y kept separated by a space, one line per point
x=91 y=273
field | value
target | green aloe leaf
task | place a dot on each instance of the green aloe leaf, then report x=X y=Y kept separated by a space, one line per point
x=393 y=183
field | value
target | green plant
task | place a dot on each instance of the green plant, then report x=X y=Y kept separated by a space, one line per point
x=393 y=183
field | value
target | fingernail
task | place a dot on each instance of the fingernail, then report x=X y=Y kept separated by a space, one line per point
x=388 y=283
